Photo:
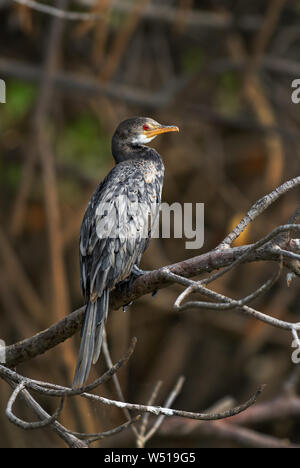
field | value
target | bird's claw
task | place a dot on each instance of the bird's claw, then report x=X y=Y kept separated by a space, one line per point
x=125 y=306
x=126 y=284
x=137 y=272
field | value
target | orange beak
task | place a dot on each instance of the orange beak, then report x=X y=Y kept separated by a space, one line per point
x=161 y=129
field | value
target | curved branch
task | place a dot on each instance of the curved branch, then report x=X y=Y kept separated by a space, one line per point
x=159 y=410
x=26 y=425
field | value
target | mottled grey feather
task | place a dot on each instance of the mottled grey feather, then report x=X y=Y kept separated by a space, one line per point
x=114 y=234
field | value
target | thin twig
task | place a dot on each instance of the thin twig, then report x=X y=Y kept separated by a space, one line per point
x=57 y=390
x=257 y=209
x=145 y=420
x=102 y=435
x=116 y=379
x=172 y=397
x=158 y=410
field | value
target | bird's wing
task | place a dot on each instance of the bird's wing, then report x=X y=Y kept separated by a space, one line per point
x=116 y=227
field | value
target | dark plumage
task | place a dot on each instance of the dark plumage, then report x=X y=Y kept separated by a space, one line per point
x=117 y=227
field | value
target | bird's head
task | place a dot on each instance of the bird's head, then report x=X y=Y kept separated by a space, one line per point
x=139 y=131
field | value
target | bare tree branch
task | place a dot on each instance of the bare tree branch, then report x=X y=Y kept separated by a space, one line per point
x=55 y=426
x=257 y=209
x=205 y=263
x=23 y=424
x=87 y=86
x=58 y=13
x=45 y=388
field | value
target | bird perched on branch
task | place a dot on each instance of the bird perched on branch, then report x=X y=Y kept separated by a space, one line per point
x=117 y=226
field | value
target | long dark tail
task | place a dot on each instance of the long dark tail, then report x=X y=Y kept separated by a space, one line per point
x=91 y=338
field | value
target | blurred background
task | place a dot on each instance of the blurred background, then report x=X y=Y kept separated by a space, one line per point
x=222 y=71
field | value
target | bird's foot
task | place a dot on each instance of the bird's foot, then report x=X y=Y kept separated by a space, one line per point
x=123 y=286
x=126 y=284
x=137 y=272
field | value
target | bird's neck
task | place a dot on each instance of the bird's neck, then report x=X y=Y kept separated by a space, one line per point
x=122 y=151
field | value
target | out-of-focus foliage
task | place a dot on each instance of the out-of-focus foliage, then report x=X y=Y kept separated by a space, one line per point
x=193 y=59
x=20 y=99
x=84 y=144
x=228 y=100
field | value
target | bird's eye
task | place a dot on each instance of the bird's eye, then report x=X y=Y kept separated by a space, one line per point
x=145 y=127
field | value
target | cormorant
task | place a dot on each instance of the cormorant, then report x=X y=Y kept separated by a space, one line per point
x=117 y=226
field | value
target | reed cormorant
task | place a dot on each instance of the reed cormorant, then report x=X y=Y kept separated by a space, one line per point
x=117 y=226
